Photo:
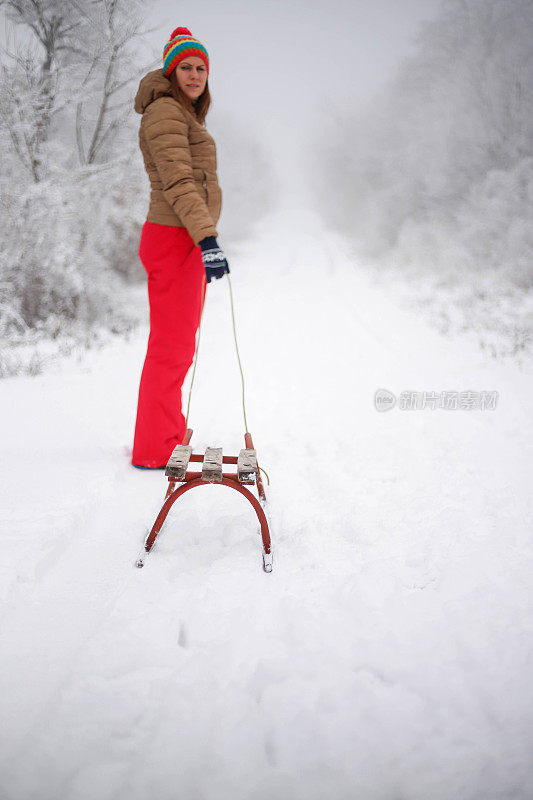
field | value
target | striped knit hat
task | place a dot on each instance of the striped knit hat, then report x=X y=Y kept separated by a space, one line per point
x=180 y=45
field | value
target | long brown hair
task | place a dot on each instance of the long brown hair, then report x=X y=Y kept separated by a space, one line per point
x=199 y=107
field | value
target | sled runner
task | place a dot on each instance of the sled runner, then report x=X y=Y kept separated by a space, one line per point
x=213 y=461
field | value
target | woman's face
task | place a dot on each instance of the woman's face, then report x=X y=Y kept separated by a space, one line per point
x=191 y=74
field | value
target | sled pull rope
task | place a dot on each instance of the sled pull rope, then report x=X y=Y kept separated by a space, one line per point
x=238 y=359
x=236 y=349
x=195 y=360
x=240 y=365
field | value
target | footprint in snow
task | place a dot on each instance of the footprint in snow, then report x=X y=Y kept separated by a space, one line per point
x=183 y=636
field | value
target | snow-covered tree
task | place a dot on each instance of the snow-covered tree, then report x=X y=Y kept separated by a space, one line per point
x=440 y=168
x=68 y=144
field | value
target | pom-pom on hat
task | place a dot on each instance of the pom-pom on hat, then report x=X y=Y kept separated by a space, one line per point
x=180 y=45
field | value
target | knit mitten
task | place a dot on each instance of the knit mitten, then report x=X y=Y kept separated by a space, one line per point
x=215 y=262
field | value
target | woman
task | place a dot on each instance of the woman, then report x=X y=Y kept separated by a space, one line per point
x=178 y=246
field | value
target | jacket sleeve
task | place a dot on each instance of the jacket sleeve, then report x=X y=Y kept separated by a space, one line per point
x=166 y=134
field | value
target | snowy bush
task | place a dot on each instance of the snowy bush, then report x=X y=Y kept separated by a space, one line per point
x=435 y=181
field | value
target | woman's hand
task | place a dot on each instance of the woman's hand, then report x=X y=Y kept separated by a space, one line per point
x=215 y=261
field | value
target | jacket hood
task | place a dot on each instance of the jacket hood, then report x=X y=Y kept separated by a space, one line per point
x=151 y=87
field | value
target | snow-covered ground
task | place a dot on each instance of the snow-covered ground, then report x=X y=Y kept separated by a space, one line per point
x=387 y=656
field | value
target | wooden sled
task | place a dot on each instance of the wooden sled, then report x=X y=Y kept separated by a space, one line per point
x=247 y=474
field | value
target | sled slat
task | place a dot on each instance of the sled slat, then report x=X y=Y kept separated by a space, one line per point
x=212 y=466
x=178 y=462
x=246 y=466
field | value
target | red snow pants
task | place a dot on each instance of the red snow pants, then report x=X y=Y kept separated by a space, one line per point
x=176 y=293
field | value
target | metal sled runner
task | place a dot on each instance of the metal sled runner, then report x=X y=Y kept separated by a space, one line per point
x=247 y=474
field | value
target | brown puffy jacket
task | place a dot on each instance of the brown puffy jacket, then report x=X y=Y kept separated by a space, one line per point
x=180 y=159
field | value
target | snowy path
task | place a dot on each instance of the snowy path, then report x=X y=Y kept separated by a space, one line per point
x=389 y=653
